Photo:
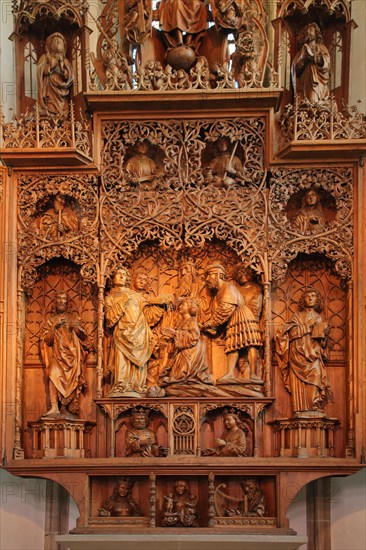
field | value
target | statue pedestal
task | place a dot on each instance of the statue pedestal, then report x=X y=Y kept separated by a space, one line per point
x=60 y=437
x=305 y=437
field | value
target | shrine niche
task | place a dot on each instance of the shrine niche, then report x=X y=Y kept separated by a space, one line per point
x=186 y=301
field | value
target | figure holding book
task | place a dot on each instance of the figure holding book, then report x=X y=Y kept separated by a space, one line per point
x=301 y=350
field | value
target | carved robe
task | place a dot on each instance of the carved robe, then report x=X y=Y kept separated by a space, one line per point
x=186 y=15
x=140 y=168
x=51 y=220
x=141 y=442
x=311 y=76
x=132 y=341
x=55 y=78
x=228 y=307
x=63 y=354
x=300 y=357
x=309 y=218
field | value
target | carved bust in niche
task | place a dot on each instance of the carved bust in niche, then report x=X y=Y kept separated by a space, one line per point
x=140 y=167
x=59 y=219
x=180 y=507
x=232 y=441
x=121 y=503
x=140 y=440
x=225 y=167
x=310 y=210
x=253 y=503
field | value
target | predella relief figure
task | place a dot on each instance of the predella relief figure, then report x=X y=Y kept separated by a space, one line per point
x=310 y=67
x=232 y=441
x=59 y=220
x=140 y=441
x=64 y=345
x=311 y=215
x=55 y=77
x=301 y=348
x=121 y=503
x=253 y=503
x=180 y=506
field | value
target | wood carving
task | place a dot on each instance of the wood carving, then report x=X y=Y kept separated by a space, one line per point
x=301 y=350
x=140 y=440
x=121 y=503
x=180 y=506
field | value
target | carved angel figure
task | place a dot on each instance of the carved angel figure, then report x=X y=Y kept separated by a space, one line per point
x=64 y=343
x=228 y=14
x=311 y=214
x=141 y=440
x=301 y=350
x=55 y=77
x=137 y=17
x=59 y=220
x=180 y=507
x=121 y=503
x=233 y=441
x=132 y=340
x=310 y=67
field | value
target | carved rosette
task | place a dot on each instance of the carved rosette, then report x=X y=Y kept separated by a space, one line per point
x=332 y=239
x=39 y=244
x=180 y=208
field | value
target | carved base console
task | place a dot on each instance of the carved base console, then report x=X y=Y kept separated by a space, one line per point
x=52 y=438
x=305 y=437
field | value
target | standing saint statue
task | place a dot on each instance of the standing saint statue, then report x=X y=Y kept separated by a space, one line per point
x=300 y=351
x=132 y=340
x=55 y=77
x=63 y=348
x=310 y=67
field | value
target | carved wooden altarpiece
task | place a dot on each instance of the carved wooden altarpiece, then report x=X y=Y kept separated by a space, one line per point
x=187 y=297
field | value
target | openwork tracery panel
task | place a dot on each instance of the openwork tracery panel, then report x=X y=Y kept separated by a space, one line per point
x=58 y=217
x=185 y=204
x=293 y=230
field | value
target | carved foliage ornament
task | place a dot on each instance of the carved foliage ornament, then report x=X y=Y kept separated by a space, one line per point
x=334 y=237
x=58 y=217
x=27 y=11
x=185 y=203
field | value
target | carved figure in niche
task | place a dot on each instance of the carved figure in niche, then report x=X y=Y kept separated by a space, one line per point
x=251 y=366
x=310 y=67
x=63 y=345
x=55 y=77
x=233 y=441
x=311 y=214
x=132 y=340
x=141 y=440
x=229 y=315
x=59 y=220
x=117 y=72
x=137 y=18
x=188 y=364
x=121 y=503
x=228 y=14
x=301 y=350
x=226 y=165
x=183 y=23
x=253 y=503
x=140 y=168
x=183 y=510
x=245 y=59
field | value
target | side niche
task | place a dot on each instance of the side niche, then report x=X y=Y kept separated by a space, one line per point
x=311 y=401
x=58 y=389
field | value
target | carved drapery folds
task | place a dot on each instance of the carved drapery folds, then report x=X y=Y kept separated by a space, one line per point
x=58 y=217
x=326 y=226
